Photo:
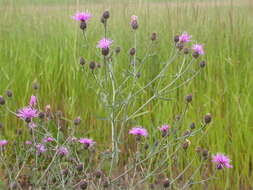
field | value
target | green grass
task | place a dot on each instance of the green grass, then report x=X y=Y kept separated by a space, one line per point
x=42 y=43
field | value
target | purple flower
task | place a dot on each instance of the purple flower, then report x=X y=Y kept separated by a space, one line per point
x=33 y=101
x=3 y=143
x=87 y=142
x=221 y=161
x=198 y=48
x=104 y=43
x=82 y=16
x=27 y=113
x=134 y=18
x=28 y=142
x=139 y=131
x=185 y=37
x=48 y=139
x=62 y=151
x=41 y=148
x=164 y=128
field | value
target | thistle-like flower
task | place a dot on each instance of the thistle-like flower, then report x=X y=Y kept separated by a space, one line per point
x=27 y=113
x=221 y=161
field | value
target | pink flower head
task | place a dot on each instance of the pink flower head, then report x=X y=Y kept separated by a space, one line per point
x=221 y=161
x=139 y=131
x=48 y=139
x=134 y=18
x=3 y=143
x=164 y=128
x=27 y=113
x=198 y=48
x=87 y=142
x=82 y=16
x=33 y=101
x=28 y=142
x=185 y=37
x=41 y=148
x=104 y=43
x=62 y=151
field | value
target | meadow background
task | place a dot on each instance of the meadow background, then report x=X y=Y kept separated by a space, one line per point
x=39 y=42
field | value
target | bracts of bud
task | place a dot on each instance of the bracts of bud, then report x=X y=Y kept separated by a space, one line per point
x=105 y=51
x=82 y=61
x=92 y=65
x=132 y=51
x=9 y=93
x=2 y=100
x=83 y=25
x=154 y=36
x=208 y=118
x=202 y=64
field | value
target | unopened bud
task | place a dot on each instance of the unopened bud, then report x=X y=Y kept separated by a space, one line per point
x=106 y=14
x=105 y=51
x=82 y=61
x=166 y=183
x=9 y=93
x=188 y=98
x=176 y=39
x=195 y=54
x=186 y=51
x=92 y=65
x=2 y=100
x=186 y=144
x=192 y=126
x=202 y=64
x=77 y=121
x=132 y=51
x=208 y=118
x=83 y=184
x=83 y=25
x=154 y=36
x=117 y=50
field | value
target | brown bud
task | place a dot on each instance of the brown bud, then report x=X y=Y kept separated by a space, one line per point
x=42 y=115
x=154 y=36
x=192 y=126
x=188 y=98
x=79 y=167
x=106 y=14
x=77 y=120
x=180 y=46
x=82 y=61
x=205 y=154
x=176 y=39
x=195 y=55
x=186 y=144
x=83 y=25
x=9 y=93
x=83 y=184
x=98 y=174
x=105 y=51
x=92 y=65
x=208 y=118
x=2 y=100
x=132 y=51
x=202 y=64
x=134 y=25
x=166 y=183
x=186 y=51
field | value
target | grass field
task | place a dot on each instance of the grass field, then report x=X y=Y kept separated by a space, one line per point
x=39 y=42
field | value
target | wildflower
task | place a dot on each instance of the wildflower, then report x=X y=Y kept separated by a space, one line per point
x=2 y=100
x=41 y=148
x=164 y=129
x=28 y=142
x=92 y=65
x=9 y=93
x=87 y=142
x=202 y=64
x=82 y=61
x=221 y=161
x=176 y=38
x=3 y=143
x=27 y=113
x=198 y=50
x=138 y=131
x=62 y=151
x=185 y=37
x=134 y=22
x=188 y=98
x=82 y=16
x=33 y=101
x=48 y=139
x=104 y=43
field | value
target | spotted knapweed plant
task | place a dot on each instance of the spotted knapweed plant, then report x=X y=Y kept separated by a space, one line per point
x=48 y=155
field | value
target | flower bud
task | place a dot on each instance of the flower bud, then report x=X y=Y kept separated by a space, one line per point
x=106 y=14
x=42 y=115
x=186 y=51
x=92 y=65
x=202 y=64
x=208 y=118
x=117 y=50
x=9 y=93
x=79 y=167
x=188 y=98
x=35 y=86
x=186 y=144
x=77 y=121
x=2 y=100
x=82 y=61
x=192 y=126
x=98 y=174
x=205 y=154
x=176 y=39
x=134 y=25
x=166 y=183
x=83 y=184
x=83 y=25
x=180 y=46
x=132 y=51
x=105 y=51
x=154 y=36
x=195 y=54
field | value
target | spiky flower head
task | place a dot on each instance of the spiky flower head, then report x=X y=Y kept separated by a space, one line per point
x=104 y=43
x=82 y=16
x=221 y=161
x=139 y=131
